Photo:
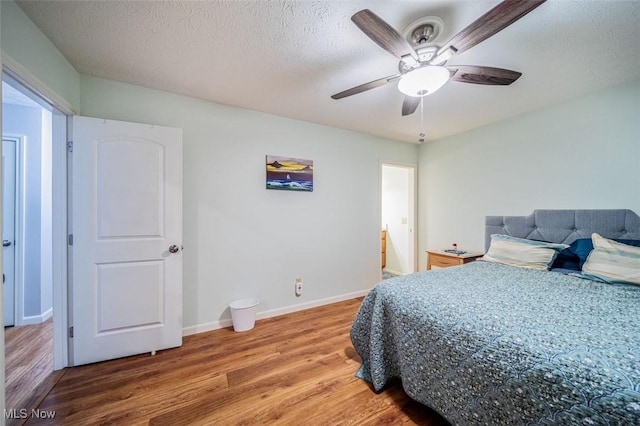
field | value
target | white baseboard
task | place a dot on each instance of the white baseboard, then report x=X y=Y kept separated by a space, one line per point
x=37 y=319
x=215 y=325
x=207 y=326
x=394 y=272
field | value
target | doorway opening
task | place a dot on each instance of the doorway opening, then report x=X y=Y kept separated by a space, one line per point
x=27 y=197
x=31 y=128
x=397 y=218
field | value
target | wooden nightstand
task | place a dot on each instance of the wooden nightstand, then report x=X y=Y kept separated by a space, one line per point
x=384 y=248
x=443 y=259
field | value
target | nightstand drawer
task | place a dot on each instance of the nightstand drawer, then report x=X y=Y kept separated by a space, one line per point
x=441 y=259
x=443 y=262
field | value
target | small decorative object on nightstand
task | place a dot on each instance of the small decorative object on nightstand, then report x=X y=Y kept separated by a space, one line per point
x=455 y=250
x=443 y=259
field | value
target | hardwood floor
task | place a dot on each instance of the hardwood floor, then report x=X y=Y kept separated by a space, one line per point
x=295 y=369
x=28 y=365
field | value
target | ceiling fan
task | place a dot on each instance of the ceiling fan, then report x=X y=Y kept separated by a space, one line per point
x=424 y=70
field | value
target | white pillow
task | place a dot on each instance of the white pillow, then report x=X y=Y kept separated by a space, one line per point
x=613 y=262
x=523 y=253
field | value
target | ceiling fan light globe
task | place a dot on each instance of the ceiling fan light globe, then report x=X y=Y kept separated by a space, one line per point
x=423 y=81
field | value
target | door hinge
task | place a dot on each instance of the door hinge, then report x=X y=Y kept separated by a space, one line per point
x=70 y=146
x=71 y=332
x=70 y=239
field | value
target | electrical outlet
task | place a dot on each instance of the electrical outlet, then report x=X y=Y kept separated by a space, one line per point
x=298 y=287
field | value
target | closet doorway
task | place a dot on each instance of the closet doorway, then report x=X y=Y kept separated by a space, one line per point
x=398 y=218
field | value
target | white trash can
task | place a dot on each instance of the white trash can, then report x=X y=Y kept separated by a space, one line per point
x=243 y=314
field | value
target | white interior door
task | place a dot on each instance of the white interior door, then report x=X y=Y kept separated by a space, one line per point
x=126 y=221
x=9 y=149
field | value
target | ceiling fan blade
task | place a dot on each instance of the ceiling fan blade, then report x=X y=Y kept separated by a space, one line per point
x=410 y=104
x=495 y=20
x=366 y=86
x=483 y=75
x=383 y=34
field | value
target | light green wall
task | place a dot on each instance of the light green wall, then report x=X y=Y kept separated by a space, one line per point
x=25 y=44
x=583 y=153
x=242 y=240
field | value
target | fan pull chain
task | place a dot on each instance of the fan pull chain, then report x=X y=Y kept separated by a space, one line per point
x=422 y=131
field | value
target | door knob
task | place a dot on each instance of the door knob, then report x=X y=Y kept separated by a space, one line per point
x=174 y=249
x=6 y=243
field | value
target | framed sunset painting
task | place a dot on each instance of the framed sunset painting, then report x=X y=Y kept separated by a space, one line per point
x=290 y=174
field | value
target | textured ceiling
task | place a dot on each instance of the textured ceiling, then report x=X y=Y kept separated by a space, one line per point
x=288 y=57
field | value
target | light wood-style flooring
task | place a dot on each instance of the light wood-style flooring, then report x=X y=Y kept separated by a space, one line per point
x=28 y=365
x=295 y=369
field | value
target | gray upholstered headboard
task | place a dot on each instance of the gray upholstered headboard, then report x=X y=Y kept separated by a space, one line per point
x=565 y=226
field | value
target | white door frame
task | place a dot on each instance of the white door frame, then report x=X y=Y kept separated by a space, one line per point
x=412 y=209
x=17 y=75
x=60 y=221
x=18 y=300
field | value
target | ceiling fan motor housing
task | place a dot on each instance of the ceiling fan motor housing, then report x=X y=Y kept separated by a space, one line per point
x=425 y=54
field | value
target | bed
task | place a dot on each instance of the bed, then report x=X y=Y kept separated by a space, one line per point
x=489 y=343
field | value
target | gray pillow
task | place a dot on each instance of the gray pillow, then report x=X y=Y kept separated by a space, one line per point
x=613 y=262
x=523 y=253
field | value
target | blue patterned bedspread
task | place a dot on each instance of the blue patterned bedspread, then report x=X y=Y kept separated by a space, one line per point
x=490 y=344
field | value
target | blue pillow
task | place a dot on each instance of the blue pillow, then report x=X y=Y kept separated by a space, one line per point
x=567 y=259
x=580 y=249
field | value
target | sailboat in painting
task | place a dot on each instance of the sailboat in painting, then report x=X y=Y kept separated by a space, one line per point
x=291 y=174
